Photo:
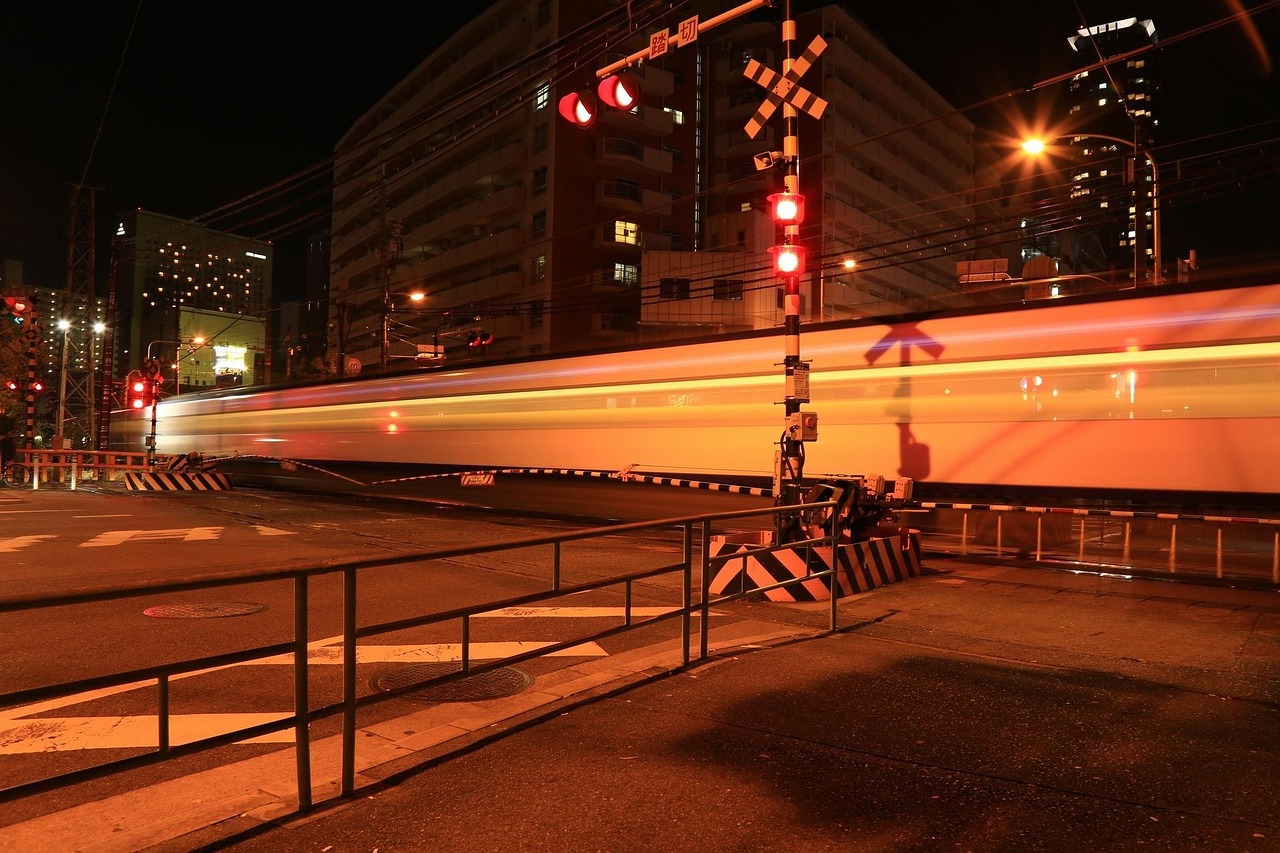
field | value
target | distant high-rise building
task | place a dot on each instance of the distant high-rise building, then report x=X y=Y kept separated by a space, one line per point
x=196 y=297
x=1112 y=120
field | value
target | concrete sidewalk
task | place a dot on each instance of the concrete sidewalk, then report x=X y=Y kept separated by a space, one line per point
x=977 y=708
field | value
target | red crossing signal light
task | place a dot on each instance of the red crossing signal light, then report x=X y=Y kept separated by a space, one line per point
x=620 y=91
x=579 y=108
x=788 y=260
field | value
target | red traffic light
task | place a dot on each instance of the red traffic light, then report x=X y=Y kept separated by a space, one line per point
x=479 y=339
x=579 y=108
x=787 y=208
x=11 y=385
x=36 y=386
x=620 y=91
x=788 y=260
x=18 y=306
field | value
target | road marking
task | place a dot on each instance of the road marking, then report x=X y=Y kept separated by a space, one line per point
x=273 y=531
x=19 y=542
x=21 y=733
x=430 y=653
x=184 y=534
x=65 y=734
x=579 y=612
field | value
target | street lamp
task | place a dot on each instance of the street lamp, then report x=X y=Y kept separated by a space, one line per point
x=415 y=297
x=59 y=436
x=1037 y=146
x=98 y=328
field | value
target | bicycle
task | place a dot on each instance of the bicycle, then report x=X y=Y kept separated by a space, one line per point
x=15 y=475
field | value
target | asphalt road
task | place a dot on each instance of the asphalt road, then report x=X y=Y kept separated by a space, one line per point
x=978 y=708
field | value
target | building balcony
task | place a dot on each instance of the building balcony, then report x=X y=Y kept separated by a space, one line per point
x=744 y=180
x=477 y=251
x=630 y=154
x=736 y=143
x=627 y=197
x=612 y=324
x=477 y=212
x=652 y=121
x=606 y=281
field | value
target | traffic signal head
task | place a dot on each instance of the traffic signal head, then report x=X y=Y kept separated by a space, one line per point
x=620 y=91
x=788 y=260
x=479 y=339
x=18 y=307
x=787 y=208
x=135 y=392
x=579 y=108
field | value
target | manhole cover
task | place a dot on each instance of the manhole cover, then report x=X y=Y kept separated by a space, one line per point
x=490 y=684
x=204 y=610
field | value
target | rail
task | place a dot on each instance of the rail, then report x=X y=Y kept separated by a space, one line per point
x=303 y=714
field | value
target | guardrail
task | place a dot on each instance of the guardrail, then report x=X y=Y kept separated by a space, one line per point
x=303 y=715
x=69 y=467
x=1228 y=548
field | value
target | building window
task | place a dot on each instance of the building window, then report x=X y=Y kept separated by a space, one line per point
x=542 y=96
x=539 y=180
x=673 y=288
x=677 y=154
x=539 y=223
x=627 y=275
x=727 y=289
x=675 y=236
x=677 y=116
x=626 y=232
x=537 y=310
x=540 y=138
x=540 y=268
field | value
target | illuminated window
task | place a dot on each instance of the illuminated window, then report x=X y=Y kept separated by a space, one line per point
x=626 y=232
x=626 y=274
x=542 y=97
x=677 y=116
x=540 y=268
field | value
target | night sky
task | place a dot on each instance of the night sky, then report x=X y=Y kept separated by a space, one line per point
x=214 y=102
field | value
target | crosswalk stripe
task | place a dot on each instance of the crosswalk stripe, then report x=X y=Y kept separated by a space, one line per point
x=430 y=653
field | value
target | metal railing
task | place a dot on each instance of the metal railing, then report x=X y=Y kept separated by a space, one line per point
x=303 y=715
x=69 y=467
x=1186 y=545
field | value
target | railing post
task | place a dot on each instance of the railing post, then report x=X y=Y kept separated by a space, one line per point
x=706 y=609
x=1039 y=535
x=1173 y=548
x=1219 y=554
x=687 y=556
x=964 y=533
x=348 y=681
x=1124 y=558
x=301 y=699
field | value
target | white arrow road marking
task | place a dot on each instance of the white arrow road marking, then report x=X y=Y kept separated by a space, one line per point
x=185 y=534
x=19 y=542
x=273 y=531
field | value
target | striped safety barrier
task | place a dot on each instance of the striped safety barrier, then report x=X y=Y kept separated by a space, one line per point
x=176 y=481
x=860 y=566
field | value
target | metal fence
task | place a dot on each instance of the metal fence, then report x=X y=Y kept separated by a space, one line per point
x=1194 y=546
x=693 y=600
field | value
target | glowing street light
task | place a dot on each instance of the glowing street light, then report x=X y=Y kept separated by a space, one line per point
x=1037 y=146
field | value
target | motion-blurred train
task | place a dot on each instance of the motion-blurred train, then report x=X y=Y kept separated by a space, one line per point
x=1147 y=391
